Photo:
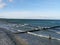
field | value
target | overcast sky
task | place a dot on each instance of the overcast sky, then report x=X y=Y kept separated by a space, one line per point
x=30 y=9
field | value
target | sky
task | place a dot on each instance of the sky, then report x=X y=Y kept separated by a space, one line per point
x=30 y=9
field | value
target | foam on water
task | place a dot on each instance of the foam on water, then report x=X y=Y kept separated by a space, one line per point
x=12 y=27
x=40 y=35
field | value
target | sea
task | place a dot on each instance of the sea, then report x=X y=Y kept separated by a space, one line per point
x=38 y=37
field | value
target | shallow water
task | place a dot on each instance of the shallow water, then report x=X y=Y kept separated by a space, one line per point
x=25 y=25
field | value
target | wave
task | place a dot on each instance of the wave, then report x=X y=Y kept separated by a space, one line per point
x=58 y=32
x=40 y=35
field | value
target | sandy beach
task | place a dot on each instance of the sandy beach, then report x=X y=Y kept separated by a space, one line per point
x=7 y=38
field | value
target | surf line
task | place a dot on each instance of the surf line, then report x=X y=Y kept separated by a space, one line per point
x=41 y=35
x=49 y=37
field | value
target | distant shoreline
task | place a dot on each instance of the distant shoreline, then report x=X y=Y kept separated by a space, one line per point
x=25 y=19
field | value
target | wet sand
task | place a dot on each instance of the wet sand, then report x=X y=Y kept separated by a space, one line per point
x=4 y=39
x=35 y=40
x=7 y=38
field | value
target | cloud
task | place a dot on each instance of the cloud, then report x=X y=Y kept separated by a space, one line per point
x=0 y=1
x=2 y=5
x=30 y=15
x=10 y=0
x=21 y=14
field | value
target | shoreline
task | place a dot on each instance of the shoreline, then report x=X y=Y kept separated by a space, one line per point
x=19 y=40
x=15 y=38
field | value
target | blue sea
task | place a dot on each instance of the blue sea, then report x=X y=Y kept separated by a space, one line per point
x=34 y=38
